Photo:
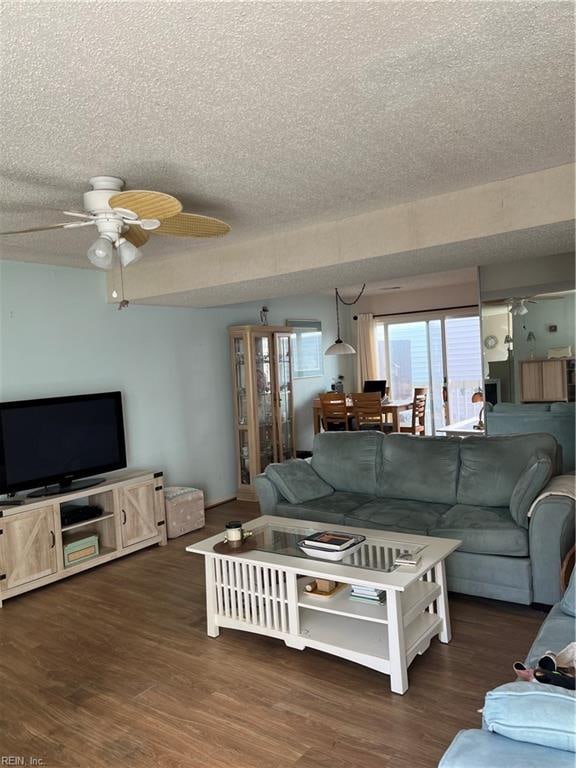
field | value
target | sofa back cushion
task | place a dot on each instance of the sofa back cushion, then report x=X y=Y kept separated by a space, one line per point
x=419 y=468
x=520 y=408
x=567 y=409
x=297 y=481
x=348 y=461
x=491 y=466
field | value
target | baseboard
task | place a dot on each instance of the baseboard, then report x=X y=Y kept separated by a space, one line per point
x=219 y=502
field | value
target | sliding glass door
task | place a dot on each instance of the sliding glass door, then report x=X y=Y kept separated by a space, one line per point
x=440 y=353
x=464 y=365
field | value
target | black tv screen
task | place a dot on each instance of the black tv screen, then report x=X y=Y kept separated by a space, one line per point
x=58 y=439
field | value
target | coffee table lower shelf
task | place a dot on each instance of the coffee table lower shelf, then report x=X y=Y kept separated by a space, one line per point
x=365 y=643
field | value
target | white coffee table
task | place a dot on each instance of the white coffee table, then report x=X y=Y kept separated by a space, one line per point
x=262 y=590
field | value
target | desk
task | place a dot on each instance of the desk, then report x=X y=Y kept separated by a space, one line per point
x=462 y=428
x=393 y=408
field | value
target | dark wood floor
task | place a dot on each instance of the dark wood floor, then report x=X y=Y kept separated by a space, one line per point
x=113 y=668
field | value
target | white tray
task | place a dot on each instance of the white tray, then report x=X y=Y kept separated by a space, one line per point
x=328 y=554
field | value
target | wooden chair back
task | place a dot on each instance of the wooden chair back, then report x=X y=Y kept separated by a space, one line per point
x=334 y=411
x=367 y=408
x=418 y=426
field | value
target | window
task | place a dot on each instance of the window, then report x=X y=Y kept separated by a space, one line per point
x=308 y=359
x=440 y=352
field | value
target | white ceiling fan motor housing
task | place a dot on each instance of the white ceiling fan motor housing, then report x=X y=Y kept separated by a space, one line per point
x=103 y=188
x=108 y=222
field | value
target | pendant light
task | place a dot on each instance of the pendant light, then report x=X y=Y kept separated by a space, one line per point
x=341 y=347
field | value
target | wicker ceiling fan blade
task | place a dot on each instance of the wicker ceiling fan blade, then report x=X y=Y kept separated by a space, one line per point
x=192 y=225
x=148 y=205
x=135 y=235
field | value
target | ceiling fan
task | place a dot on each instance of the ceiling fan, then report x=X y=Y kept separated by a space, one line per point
x=125 y=220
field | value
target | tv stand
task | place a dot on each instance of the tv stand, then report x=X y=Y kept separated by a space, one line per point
x=32 y=537
x=66 y=487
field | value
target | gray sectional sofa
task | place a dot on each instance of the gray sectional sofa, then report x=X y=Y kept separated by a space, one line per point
x=476 y=489
x=526 y=725
x=557 y=419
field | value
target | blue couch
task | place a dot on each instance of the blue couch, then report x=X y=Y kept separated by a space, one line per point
x=478 y=490
x=526 y=725
x=557 y=419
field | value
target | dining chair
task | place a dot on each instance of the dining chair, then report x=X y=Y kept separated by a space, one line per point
x=418 y=425
x=334 y=411
x=367 y=409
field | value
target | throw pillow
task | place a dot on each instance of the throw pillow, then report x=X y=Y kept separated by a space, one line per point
x=568 y=602
x=528 y=486
x=533 y=712
x=297 y=481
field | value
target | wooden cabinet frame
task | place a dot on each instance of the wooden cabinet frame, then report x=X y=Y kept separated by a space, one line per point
x=32 y=537
x=248 y=433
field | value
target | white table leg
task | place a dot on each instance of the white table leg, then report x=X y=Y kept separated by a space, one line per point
x=397 y=648
x=211 y=613
x=442 y=602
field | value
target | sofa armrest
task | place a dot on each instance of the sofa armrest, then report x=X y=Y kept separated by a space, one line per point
x=268 y=495
x=551 y=535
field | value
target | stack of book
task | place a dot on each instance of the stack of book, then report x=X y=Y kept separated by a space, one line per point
x=367 y=594
x=331 y=540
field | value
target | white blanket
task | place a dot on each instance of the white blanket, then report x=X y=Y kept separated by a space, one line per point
x=561 y=485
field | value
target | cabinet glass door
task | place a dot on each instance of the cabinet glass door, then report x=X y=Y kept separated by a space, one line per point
x=240 y=375
x=285 y=409
x=263 y=402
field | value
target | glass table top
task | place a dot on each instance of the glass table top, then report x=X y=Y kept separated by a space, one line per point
x=377 y=554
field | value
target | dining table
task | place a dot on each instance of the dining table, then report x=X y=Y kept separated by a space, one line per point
x=391 y=408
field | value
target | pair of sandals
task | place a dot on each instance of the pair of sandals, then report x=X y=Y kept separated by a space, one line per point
x=553 y=669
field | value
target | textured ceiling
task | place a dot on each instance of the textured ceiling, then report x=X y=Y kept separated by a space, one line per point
x=270 y=115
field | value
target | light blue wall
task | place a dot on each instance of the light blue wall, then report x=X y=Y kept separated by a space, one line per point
x=58 y=336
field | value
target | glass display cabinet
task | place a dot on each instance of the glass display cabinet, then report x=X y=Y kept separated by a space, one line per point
x=263 y=400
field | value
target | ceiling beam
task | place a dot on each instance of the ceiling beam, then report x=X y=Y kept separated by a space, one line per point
x=522 y=203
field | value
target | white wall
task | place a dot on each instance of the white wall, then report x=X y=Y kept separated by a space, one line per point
x=401 y=302
x=59 y=336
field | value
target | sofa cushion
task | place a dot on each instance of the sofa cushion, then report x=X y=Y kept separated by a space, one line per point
x=348 y=461
x=534 y=713
x=297 y=481
x=404 y=515
x=483 y=530
x=529 y=484
x=554 y=634
x=420 y=468
x=490 y=467
x=568 y=602
x=328 y=509
x=481 y=749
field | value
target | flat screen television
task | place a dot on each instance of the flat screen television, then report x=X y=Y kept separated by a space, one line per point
x=59 y=440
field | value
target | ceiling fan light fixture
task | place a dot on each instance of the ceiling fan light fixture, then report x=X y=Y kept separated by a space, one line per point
x=101 y=253
x=128 y=253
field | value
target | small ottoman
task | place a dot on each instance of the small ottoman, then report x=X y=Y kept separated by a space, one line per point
x=184 y=510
